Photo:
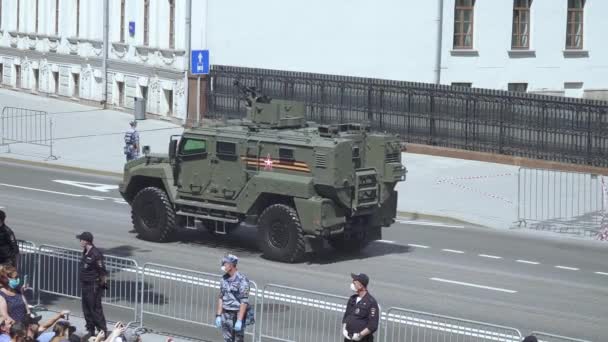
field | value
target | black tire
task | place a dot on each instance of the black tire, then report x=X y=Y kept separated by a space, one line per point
x=153 y=216
x=351 y=242
x=280 y=234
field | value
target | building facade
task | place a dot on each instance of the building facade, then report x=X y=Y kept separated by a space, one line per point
x=55 y=47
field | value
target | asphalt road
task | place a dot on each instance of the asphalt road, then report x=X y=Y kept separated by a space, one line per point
x=527 y=281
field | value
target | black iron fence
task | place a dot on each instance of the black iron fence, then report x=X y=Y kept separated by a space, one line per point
x=519 y=124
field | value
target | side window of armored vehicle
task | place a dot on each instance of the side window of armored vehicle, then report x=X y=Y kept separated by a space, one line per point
x=193 y=146
x=286 y=155
x=226 y=150
x=356 y=157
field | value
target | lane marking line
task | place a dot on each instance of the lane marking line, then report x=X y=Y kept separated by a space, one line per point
x=602 y=273
x=452 y=251
x=490 y=256
x=528 y=262
x=417 y=246
x=473 y=285
x=431 y=224
x=98 y=198
x=567 y=268
x=387 y=241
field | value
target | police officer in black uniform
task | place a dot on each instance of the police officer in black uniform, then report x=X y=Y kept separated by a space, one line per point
x=93 y=282
x=9 y=248
x=362 y=313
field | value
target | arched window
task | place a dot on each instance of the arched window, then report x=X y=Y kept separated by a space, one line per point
x=146 y=22
x=172 y=24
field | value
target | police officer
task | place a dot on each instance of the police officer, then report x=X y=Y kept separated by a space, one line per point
x=9 y=248
x=132 y=142
x=93 y=282
x=362 y=313
x=232 y=301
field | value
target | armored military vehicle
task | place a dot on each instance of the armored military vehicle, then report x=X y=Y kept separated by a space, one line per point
x=298 y=183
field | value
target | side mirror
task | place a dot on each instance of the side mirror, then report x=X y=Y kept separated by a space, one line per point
x=146 y=150
x=172 y=149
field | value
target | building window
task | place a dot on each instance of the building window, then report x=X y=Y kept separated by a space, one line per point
x=172 y=24
x=122 y=21
x=463 y=24
x=521 y=24
x=574 y=33
x=518 y=87
x=77 y=18
x=146 y=22
x=462 y=84
x=0 y=22
x=56 y=17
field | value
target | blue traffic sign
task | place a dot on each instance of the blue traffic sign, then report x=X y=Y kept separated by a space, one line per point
x=131 y=28
x=199 y=62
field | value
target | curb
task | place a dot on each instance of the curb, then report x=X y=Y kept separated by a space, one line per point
x=61 y=167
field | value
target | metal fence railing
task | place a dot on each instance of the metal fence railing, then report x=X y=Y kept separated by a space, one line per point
x=567 y=202
x=544 y=337
x=183 y=295
x=522 y=124
x=26 y=126
x=27 y=266
x=410 y=325
x=290 y=314
x=58 y=274
x=284 y=314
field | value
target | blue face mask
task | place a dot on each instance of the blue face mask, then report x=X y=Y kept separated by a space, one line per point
x=14 y=283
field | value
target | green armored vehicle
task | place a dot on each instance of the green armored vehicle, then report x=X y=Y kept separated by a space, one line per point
x=299 y=183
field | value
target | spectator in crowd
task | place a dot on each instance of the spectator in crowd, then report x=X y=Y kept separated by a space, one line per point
x=93 y=282
x=9 y=248
x=530 y=338
x=63 y=331
x=39 y=331
x=13 y=305
x=131 y=148
x=5 y=328
x=362 y=314
x=18 y=333
x=233 y=301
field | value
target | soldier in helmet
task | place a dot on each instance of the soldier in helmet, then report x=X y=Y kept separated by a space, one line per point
x=233 y=301
x=132 y=142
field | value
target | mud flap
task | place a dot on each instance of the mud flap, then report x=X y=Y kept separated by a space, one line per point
x=312 y=243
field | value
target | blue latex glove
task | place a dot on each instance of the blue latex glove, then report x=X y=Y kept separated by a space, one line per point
x=218 y=321
x=238 y=326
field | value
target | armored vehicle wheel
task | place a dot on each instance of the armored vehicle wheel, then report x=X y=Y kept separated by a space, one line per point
x=280 y=235
x=153 y=216
x=352 y=243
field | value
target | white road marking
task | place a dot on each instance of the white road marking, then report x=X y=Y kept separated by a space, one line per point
x=473 y=285
x=602 y=273
x=100 y=198
x=417 y=246
x=386 y=241
x=452 y=251
x=490 y=256
x=567 y=268
x=528 y=262
x=90 y=186
x=431 y=224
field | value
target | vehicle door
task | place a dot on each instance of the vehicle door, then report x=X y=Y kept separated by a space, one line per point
x=193 y=166
x=229 y=176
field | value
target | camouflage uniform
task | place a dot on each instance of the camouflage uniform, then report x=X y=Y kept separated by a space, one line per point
x=234 y=291
x=132 y=144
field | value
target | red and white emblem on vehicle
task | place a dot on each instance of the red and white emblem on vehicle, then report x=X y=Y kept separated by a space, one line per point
x=268 y=163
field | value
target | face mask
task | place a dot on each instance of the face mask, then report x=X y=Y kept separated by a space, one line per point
x=223 y=268
x=353 y=288
x=14 y=283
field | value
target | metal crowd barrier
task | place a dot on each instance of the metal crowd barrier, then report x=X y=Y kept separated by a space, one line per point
x=410 y=325
x=544 y=337
x=27 y=265
x=26 y=126
x=58 y=275
x=291 y=314
x=184 y=295
x=567 y=202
